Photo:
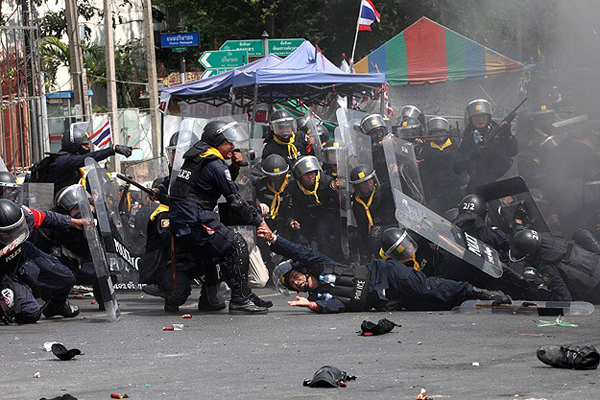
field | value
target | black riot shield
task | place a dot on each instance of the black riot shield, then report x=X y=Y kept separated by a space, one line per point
x=416 y=217
x=400 y=157
x=124 y=246
x=99 y=257
x=354 y=149
x=510 y=204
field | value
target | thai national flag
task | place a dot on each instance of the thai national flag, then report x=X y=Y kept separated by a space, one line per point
x=102 y=134
x=368 y=14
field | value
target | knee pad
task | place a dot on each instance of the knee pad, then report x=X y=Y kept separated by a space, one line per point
x=28 y=318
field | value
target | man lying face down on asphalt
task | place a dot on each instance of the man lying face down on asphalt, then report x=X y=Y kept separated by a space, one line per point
x=379 y=284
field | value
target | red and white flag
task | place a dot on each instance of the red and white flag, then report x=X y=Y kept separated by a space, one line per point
x=101 y=132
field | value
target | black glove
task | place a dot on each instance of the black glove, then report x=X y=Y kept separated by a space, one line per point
x=124 y=150
x=369 y=328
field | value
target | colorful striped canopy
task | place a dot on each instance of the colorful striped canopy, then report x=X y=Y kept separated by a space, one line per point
x=429 y=52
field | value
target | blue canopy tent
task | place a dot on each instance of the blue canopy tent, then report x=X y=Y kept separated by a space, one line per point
x=305 y=74
x=216 y=89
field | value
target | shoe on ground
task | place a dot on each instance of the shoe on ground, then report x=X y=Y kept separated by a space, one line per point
x=66 y=310
x=170 y=308
x=260 y=302
x=153 y=290
x=246 y=307
x=571 y=357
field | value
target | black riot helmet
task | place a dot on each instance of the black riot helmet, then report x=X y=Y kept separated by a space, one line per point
x=66 y=199
x=374 y=126
x=304 y=165
x=301 y=123
x=438 y=126
x=216 y=132
x=9 y=188
x=74 y=138
x=361 y=173
x=478 y=107
x=525 y=244
x=323 y=133
x=274 y=165
x=331 y=149
x=411 y=112
x=474 y=204
x=410 y=128
x=397 y=244
x=282 y=124
x=13 y=227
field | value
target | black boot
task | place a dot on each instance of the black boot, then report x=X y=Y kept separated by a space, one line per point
x=260 y=302
x=584 y=238
x=571 y=357
x=153 y=290
x=209 y=299
x=245 y=307
x=495 y=295
x=64 y=309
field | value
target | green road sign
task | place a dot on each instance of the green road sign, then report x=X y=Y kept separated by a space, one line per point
x=284 y=47
x=224 y=58
x=254 y=47
x=214 y=71
x=179 y=49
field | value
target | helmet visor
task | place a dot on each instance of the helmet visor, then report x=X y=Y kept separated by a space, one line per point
x=280 y=275
x=233 y=132
x=403 y=249
x=12 y=192
x=15 y=234
x=284 y=127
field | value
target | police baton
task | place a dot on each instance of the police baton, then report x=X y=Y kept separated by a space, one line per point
x=136 y=184
x=508 y=118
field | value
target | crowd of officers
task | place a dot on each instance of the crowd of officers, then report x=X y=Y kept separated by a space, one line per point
x=295 y=208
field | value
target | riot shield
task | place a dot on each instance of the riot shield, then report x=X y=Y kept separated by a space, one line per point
x=3 y=165
x=38 y=195
x=313 y=133
x=189 y=128
x=124 y=246
x=145 y=172
x=400 y=157
x=510 y=204
x=355 y=149
x=416 y=217
x=99 y=258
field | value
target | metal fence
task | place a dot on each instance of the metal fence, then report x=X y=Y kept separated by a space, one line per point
x=21 y=93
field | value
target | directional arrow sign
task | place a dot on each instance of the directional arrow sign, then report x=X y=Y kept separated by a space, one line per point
x=214 y=71
x=254 y=47
x=284 y=47
x=224 y=58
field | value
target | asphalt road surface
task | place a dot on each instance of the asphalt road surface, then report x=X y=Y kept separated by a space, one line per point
x=218 y=356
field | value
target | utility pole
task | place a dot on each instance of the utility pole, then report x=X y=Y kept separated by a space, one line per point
x=152 y=77
x=76 y=58
x=111 y=84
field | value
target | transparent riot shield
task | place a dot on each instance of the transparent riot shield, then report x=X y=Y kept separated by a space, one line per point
x=313 y=133
x=416 y=217
x=510 y=204
x=146 y=171
x=99 y=257
x=38 y=195
x=124 y=246
x=189 y=129
x=400 y=157
x=354 y=149
x=12 y=192
x=3 y=165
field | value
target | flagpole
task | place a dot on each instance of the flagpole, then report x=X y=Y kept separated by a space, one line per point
x=355 y=36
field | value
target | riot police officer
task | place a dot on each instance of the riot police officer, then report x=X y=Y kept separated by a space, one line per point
x=570 y=271
x=22 y=265
x=435 y=156
x=379 y=284
x=204 y=177
x=483 y=158
x=9 y=188
x=330 y=157
x=373 y=208
x=375 y=127
x=283 y=139
x=413 y=112
x=273 y=189
x=315 y=204
x=62 y=168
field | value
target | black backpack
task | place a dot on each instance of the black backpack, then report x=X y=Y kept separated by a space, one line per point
x=39 y=170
